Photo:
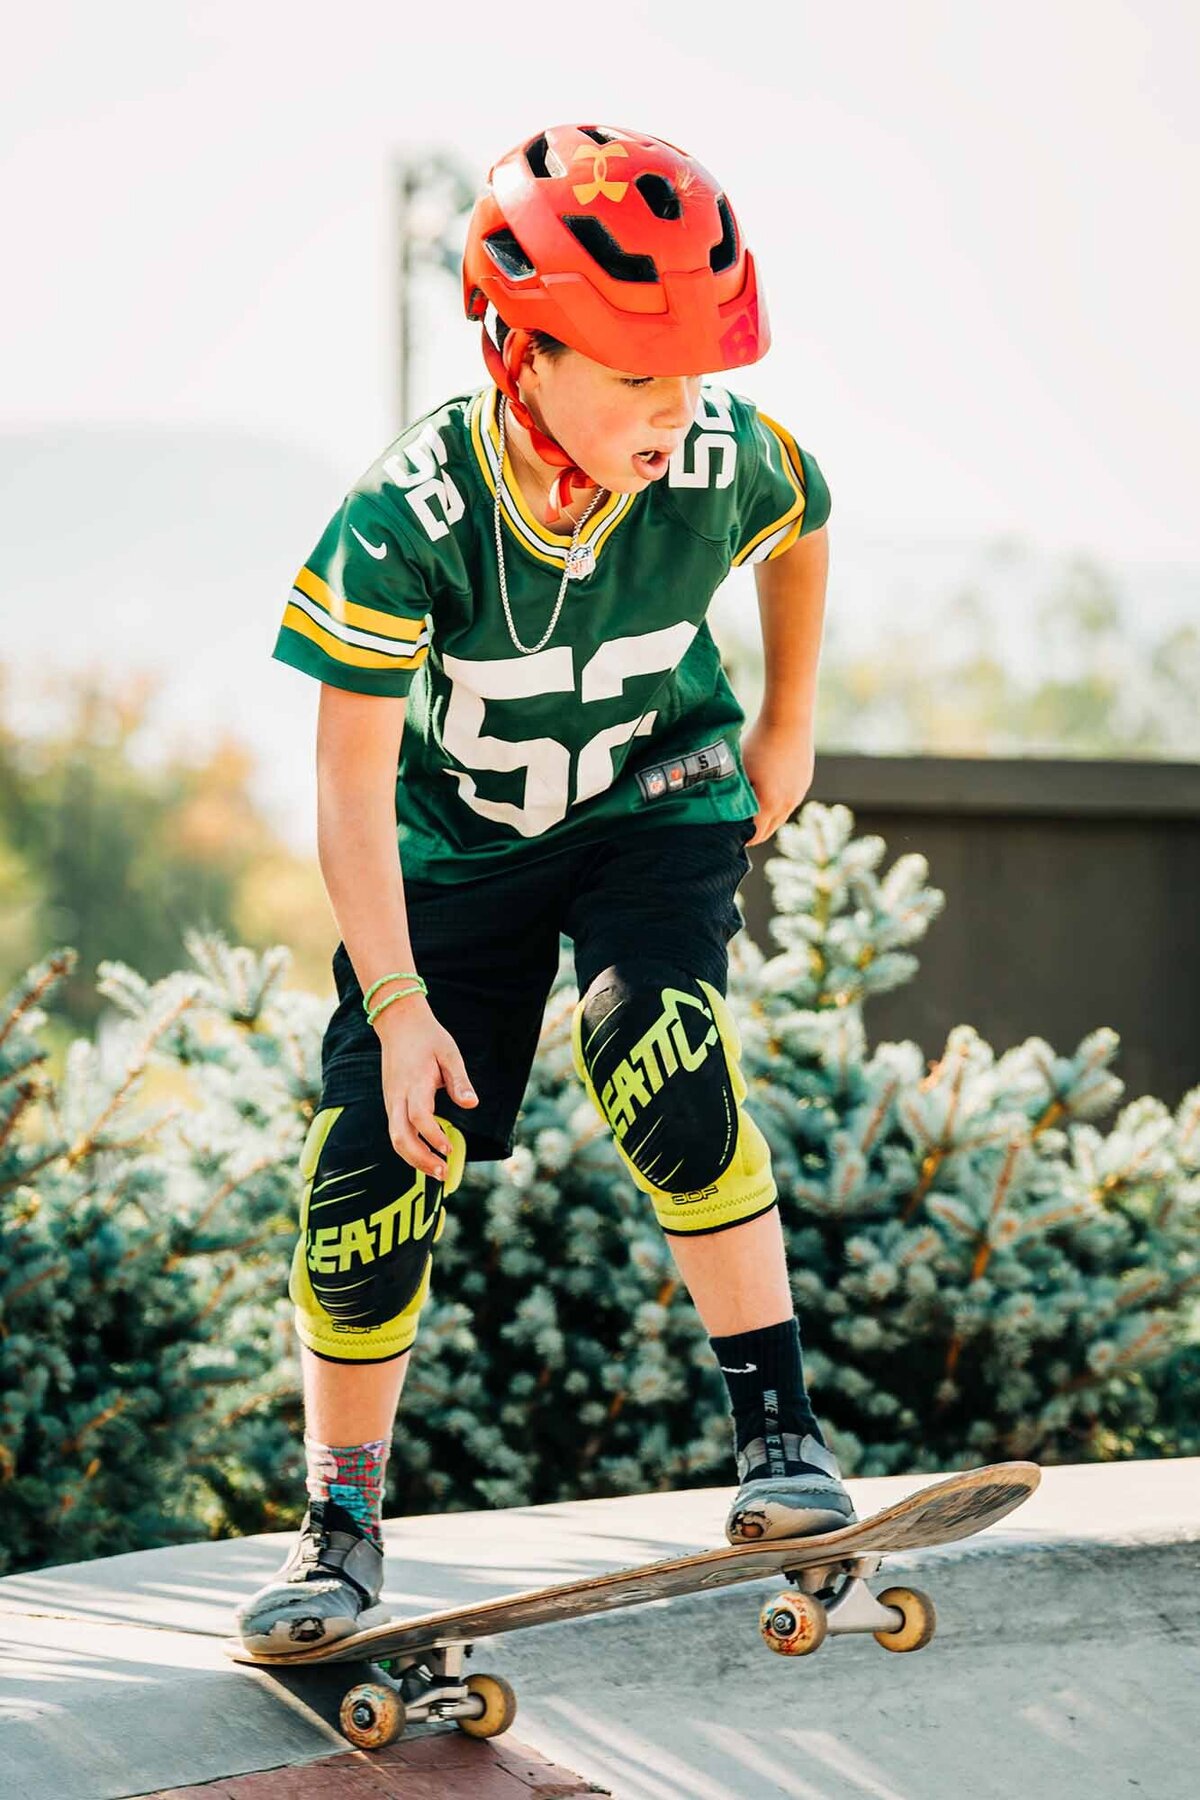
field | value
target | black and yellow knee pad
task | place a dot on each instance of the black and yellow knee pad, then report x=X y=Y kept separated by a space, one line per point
x=658 y=1051
x=368 y=1222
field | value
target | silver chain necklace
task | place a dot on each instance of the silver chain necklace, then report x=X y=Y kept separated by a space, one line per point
x=579 y=562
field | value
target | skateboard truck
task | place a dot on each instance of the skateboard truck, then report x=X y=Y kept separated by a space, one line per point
x=431 y=1685
x=833 y=1599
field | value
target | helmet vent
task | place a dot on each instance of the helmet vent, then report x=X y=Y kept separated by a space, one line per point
x=542 y=160
x=660 y=196
x=508 y=256
x=600 y=243
x=598 y=135
x=724 y=254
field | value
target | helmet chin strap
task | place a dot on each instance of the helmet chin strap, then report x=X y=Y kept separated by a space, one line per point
x=504 y=366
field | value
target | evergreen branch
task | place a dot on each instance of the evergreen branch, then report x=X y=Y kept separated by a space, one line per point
x=71 y=1495
x=222 y=1194
x=591 y=1449
x=32 y=1061
x=875 y=1122
x=52 y=1271
x=70 y=1445
x=1136 y=1292
x=33 y=1168
x=1128 y=1358
x=931 y=1162
x=56 y=968
x=26 y=1095
x=215 y=1297
x=135 y=1070
x=255 y=1402
x=983 y=1252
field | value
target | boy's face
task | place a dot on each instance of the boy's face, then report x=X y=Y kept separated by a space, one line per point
x=604 y=418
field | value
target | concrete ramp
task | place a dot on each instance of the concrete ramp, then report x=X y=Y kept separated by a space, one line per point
x=1066 y=1664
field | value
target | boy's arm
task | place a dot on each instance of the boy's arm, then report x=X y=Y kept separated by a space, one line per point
x=791 y=606
x=358 y=749
x=777 y=750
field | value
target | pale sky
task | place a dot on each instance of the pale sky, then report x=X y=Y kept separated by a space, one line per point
x=975 y=226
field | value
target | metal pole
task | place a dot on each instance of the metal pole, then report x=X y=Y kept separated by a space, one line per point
x=439 y=178
x=403 y=193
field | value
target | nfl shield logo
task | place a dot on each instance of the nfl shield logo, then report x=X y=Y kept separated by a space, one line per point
x=581 y=561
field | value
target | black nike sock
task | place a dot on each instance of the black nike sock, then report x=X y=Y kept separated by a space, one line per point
x=764 y=1373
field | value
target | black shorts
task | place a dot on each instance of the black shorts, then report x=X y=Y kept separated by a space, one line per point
x=488 y=951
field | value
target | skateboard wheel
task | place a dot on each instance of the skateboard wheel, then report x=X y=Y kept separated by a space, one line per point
x=793 y=1624
x=499 y=1706
x=920 y=1619
x=371 y=1716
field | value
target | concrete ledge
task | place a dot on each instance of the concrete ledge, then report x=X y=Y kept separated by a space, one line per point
x=1071 y=1625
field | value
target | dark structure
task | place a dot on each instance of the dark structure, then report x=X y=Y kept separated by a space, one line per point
x=1071 y=902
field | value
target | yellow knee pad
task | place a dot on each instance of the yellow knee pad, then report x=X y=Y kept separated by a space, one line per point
x=746 y=1186
x=376 y=1233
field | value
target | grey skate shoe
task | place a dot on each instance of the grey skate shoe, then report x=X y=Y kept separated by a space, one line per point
x=805 y=1498
x=328 y=1588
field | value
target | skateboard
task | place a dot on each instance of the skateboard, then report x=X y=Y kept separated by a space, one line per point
x=417 y=1663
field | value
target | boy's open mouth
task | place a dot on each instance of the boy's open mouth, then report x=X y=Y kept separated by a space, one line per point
x=651 y=462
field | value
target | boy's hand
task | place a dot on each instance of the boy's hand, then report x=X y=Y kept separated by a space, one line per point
x=779 y=761
x=419 y=1057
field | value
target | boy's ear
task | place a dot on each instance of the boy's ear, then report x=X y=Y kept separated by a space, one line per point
x=517 y=352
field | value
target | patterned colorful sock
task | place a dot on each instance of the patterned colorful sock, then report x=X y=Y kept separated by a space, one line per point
x=351 y=1474
x=764 y=1372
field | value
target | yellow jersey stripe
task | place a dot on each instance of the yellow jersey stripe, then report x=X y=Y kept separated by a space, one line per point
x=789 y=459
x=353 y=655
x=787 y=542
x=349 y=612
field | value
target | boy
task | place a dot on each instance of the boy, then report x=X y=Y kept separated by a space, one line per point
x=534 y=563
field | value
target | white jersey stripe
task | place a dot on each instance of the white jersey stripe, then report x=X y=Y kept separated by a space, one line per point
x=350 y=634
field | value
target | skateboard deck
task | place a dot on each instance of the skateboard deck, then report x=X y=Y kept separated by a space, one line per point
x=940 y=1513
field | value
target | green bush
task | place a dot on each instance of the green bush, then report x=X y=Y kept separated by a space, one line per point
x=979 y=1271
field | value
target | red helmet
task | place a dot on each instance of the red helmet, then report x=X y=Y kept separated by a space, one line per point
x=620 y=245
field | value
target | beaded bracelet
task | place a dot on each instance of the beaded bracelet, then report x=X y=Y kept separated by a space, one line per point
x=416 y=986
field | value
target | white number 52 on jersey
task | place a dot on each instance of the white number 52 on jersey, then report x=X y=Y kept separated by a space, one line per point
x=546 y=762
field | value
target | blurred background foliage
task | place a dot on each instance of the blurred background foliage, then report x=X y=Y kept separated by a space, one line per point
x=120 y=855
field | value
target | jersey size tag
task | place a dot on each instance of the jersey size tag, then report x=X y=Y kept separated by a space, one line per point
x=713 y=763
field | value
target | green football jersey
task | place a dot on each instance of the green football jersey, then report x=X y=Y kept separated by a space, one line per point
x=623 y=719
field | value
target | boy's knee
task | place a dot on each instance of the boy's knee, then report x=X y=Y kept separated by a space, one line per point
x=659 y=1053
x=361 y=1266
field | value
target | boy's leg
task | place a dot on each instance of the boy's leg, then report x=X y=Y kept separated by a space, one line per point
x=738 y=1278
x=360 y=1276
x=361 y=1268
x=659 y=1055
x=487 y=986
x=349 y=1417
x=352 y=1403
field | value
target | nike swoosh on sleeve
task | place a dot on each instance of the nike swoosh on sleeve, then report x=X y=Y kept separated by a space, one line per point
x=375 y=550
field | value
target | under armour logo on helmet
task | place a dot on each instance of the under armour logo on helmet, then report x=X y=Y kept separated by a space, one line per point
x=600 y=184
